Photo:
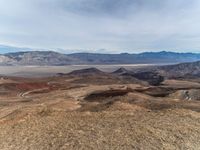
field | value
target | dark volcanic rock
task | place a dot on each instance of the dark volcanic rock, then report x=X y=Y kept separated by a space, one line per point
x=152 y=78
x=88 y=71
x=121 y=71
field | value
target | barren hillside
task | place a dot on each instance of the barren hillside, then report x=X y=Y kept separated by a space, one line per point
x=90 y=109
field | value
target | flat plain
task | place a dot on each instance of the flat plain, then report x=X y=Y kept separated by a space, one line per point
x=45 y=71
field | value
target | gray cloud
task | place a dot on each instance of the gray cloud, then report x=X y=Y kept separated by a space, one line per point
x=115 y=25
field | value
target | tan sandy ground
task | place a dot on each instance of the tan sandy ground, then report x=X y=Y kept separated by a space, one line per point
x=168 y=129
x=62 y=118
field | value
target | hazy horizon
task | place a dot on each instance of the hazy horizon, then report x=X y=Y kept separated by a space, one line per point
x=4 y=49
x=114 y=26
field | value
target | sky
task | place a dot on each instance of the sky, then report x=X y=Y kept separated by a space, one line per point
x=109 y=26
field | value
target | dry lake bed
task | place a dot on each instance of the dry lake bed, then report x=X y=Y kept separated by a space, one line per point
x=38 y=71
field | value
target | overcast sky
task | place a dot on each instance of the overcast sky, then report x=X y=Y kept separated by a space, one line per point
x=112 y=25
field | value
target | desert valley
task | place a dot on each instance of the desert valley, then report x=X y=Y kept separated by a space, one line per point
x=155 y=107
x=99 y=75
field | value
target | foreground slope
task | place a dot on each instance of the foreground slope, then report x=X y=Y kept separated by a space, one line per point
x=169 y=129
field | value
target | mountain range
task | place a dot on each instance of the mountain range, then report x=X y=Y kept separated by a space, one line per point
x=50 y=58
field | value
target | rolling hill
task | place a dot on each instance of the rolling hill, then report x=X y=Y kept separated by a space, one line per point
x=181 y=70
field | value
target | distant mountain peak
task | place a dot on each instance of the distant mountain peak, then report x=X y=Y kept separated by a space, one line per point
x=87 y=71
x=121 y=71
x=51 y=58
